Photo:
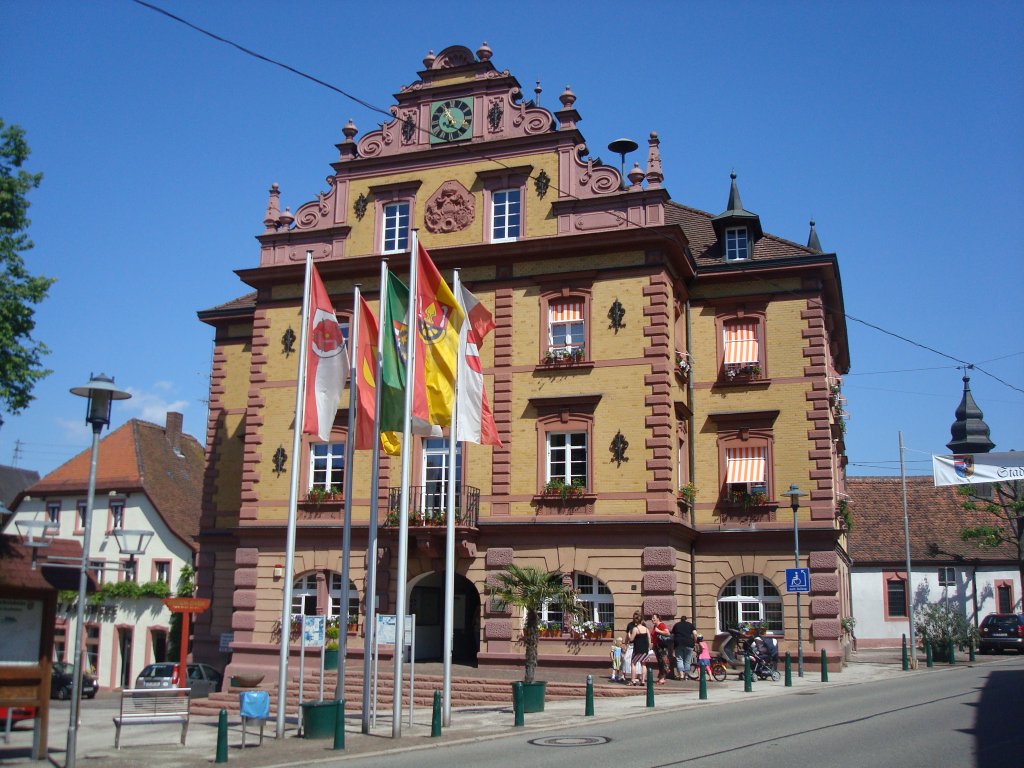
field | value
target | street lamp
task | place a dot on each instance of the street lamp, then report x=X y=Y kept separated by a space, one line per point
x=100 y=392
x=35 y=534
x=132 y=543
x=794 y=494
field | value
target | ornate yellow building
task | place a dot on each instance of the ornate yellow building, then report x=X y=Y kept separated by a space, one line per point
x=658 y=375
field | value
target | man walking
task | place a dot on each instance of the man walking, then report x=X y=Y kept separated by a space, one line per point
x=684 y=635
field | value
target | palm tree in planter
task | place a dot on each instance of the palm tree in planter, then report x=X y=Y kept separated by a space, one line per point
x=530 y=589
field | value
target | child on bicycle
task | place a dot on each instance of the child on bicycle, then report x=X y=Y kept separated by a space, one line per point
x=617 y=651
x=703 y=656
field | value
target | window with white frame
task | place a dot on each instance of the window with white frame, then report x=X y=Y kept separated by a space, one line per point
x=396 y=227
x=162 y=571
x=436 y=475
x=116 y=513
x=327 y=467
x=567 y=457
x=750 y=598
x=595 y=600
x=566 y=329
x=53 y=511
x=745 y=473
x=737 y=247
x=947 y=576
x=82 y=512
x=505 y=212
x=96 y=568
x=304 y=595
x=335 y=596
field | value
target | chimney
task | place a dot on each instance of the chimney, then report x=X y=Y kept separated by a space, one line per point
x=173 y=430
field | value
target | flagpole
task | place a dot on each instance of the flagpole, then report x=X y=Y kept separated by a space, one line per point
x=370 y=592
x=449 y=542
x=412 y=330
x=346 y=535
x=293 y=493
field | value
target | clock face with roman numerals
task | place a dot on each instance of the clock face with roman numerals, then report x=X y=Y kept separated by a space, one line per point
x=450 y=120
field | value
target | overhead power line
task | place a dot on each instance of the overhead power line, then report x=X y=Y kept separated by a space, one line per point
x=476 y=150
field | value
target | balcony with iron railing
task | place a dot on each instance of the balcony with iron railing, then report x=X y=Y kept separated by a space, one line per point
x=428 y=505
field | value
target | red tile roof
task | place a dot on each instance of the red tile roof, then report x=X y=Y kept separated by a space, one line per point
x=705 y=246
x=16 y=570
x=936 y=517
x=139 y=457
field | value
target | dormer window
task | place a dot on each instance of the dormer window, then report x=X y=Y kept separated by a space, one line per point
x=737 y=247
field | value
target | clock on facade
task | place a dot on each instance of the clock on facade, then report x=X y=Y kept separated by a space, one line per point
x=450 y=120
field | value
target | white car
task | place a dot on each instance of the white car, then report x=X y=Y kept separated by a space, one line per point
x=202 y=678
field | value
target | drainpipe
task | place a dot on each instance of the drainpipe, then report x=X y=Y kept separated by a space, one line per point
x=689 y=404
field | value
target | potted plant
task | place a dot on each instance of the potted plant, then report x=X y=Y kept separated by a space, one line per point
x=331 y=633
x=316 y=495
x=688 y=493
x=530 y=589
x=336 y=493
x=353 y=623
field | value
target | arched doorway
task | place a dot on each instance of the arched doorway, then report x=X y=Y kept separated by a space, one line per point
x=426 y=601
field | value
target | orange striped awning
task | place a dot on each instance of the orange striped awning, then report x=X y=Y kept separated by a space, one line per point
x=745 y=465
x=569 y=311
x=740 y=343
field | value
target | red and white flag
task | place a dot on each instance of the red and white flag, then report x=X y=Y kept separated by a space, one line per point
x=327 y=363
x=476 y=421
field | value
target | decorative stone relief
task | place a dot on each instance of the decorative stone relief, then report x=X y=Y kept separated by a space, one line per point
x=450 y=209
x=409 y=128
x=494 y=114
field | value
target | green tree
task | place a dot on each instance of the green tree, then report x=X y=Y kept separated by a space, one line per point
x=20 y=354
x=1007 y=510
x=529 y=589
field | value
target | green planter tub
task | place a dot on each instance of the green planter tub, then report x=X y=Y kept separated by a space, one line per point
x=533 y=696
x=331 y=658
x=318 y=719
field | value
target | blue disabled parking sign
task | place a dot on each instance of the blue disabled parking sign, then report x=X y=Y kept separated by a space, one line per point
x=798 y=579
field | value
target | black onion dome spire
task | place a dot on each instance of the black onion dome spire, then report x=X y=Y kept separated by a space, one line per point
x=970 y=432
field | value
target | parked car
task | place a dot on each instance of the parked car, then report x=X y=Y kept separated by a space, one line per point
x=17 y=714
x=62 y=680
x=1002 y=632
x=202 y=678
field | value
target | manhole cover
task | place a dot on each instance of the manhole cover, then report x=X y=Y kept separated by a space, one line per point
x=570 y=741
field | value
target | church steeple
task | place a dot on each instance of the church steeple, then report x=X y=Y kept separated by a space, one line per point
x=970 y=432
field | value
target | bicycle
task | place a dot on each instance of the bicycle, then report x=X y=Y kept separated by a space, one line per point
x=719 y=669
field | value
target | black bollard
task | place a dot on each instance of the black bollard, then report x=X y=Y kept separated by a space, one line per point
x=222 y=737
x=339 y=725
x=435 y=719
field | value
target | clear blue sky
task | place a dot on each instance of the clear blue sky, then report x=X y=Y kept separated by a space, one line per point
x=897 y=125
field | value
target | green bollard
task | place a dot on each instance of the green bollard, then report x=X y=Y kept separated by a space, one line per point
x=748 y=683
x=650 y=687
x=703 y=684
x=824 y=666
x=339 y=724
x=906 y=661
x=789 y=670
x=222 y=737
x=952 y=657
x=435 y=720
x=929 y=660
x=588 y=710
x=972 y=658
x=517 y=704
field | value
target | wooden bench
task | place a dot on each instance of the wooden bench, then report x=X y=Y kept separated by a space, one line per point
x=144 y=706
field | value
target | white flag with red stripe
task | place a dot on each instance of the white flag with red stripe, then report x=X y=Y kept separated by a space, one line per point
x=475 y=419
x=327 y=363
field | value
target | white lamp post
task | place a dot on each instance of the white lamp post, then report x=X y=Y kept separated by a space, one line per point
x=100 y=392
x=794 y=494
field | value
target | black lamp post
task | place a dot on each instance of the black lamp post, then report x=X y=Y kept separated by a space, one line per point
x=794 y=494
x=100 y=392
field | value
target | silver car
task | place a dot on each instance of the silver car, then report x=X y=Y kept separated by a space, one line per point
x=202 y=678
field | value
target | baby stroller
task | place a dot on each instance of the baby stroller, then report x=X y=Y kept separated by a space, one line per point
x=764 y=657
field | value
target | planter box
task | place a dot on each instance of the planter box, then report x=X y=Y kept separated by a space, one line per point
x=318 y=719
x=533 y=695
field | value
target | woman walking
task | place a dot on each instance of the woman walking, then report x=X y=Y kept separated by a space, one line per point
x=640 y=637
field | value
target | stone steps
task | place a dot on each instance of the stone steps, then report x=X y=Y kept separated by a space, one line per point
x=466 y=692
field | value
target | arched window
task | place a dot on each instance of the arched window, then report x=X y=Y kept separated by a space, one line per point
x=750 y=598
x=595 y=597
x=306 y=598
x=353 y=599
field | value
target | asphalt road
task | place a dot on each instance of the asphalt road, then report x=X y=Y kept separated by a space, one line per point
x=963 y=717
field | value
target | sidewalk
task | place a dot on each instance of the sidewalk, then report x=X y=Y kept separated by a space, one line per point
x=156 y=746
